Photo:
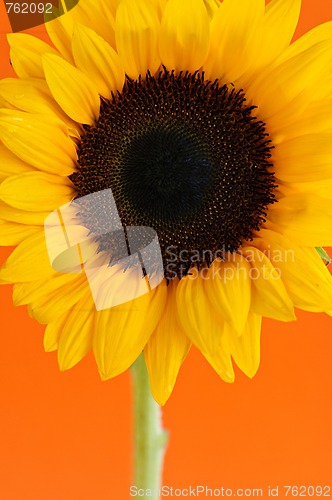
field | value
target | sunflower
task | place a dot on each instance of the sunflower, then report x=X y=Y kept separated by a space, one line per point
x=207 y=125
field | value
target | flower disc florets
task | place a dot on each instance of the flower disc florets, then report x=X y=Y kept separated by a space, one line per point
x=184 y=156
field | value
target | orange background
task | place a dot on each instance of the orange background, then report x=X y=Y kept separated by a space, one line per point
x=68 y=435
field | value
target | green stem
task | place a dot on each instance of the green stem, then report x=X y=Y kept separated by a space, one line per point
x=150 y=438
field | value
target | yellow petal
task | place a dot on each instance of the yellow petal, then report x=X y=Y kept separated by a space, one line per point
x=58 y=298
x=27 y=94
x=304 y=159
x=38 y=140
x=159 y=6
x=37 y=290
x=277 y=117
x=137 y=30
x=113 y=4
x=10 y=164
x=28 y=262
x=319 y=188
x=316 y=119
x=33 y=96
x=60 y=30
x=269 y=296
x=280 y=20
x=75 y=339
x=36 y=190
x=21 y=216
x=97 y=59
x=72 y=89
x=26 y=53
x=305 y=276
x=12 y=233
x=234 y=41
x=318 y=34
x=228 y=287
x=166 y=349
x=203 y=324
x=53 y=332
x=184 y=35
x=99 y=16
x=212 y=7
x=122 y=332
x=301 y=78
x=304 y=218
x=245 y=350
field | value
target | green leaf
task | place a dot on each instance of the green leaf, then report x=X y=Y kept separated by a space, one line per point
x=323 y=255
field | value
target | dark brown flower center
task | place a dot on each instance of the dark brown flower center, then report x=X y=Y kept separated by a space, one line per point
x=183 y=156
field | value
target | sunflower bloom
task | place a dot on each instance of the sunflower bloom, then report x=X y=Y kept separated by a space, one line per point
x=210 y=127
